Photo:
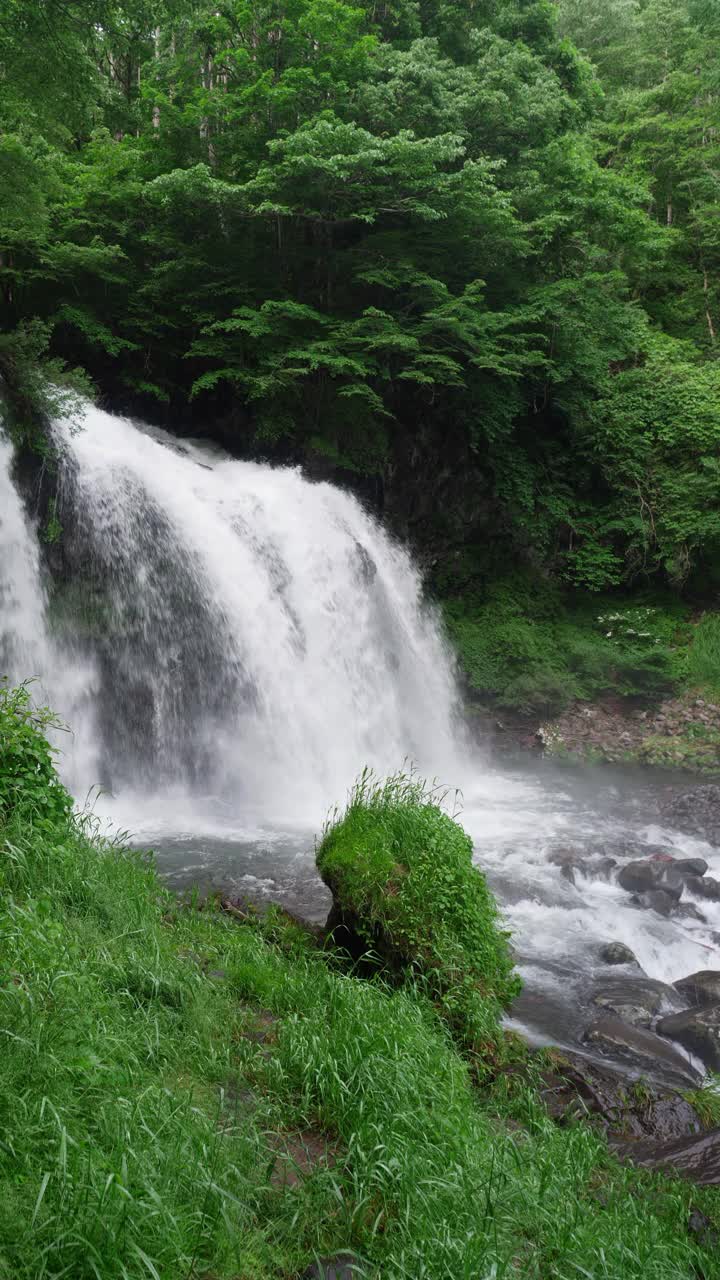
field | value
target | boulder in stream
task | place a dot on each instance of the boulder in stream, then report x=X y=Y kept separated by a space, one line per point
x=647 y=1053
x=701 y=988
x=704 y=887
x=651 y=874
x=635 y=1000
x=618 y=953
x=690 y=867
x=655 y=900
x=698 y=1031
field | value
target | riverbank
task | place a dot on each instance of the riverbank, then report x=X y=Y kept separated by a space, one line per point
x=187 y=1093
x=590 y=679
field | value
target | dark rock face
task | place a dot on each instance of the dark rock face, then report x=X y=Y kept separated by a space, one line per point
x=344 y=1266
x=696 y=1158
x=576 y=1088
x=649 y=875
x=643 y=1050
x=635 y=1000
x=701 y=988
x=656 y=900
x=617 y=953
x=698 y=1030
x=697 y=812
x=690 y=866
x=704 y=887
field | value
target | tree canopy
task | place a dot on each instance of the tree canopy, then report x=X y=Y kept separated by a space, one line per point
x=469 y=237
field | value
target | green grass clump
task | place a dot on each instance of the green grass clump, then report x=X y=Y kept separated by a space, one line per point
x=402 y=876
x=157 y=1060
x=704 y=656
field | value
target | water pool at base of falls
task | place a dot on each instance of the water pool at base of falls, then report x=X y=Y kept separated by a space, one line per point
x=232 y=643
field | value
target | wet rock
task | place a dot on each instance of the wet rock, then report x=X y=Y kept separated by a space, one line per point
x=690 y=867
x=696 y=1158
x=698 y=1031
x=701 y=988
x=688 y=911
x=696 y=812
x=649 y=875
x=343 y=1266
x=635 y=1000
x=656 y=900
x=643 y=1050
x=617 y=953
x=578 y=1088
x=573 y=864
x=704 y=887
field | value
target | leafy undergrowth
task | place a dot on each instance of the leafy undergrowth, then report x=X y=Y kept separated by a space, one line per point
x=159 y=1062
x=527 y=646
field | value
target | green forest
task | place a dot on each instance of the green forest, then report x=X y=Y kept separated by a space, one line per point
x=463 y=256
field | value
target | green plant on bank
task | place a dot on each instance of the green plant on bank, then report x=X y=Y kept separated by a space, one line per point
x=401 y=870
x=29 y=786
x=704 y=655
x=161 y=1066
x=706 y=1101
x=529 y=647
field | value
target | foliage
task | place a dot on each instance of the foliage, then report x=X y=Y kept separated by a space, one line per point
x=433 y=244
x=533 y=649
x=402 y=870
x=161 y=1065
x=704 y=655
x=30 y=790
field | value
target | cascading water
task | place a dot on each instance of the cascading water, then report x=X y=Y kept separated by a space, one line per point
x=258 y=638
x=232 y=643
x=24 y=648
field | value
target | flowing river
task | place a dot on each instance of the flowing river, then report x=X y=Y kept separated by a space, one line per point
x=232 y=643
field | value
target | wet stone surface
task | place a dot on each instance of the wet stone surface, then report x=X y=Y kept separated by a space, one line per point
x=702 y=988
x=698 y=1031
x=645 y=1052
x=696 y=1158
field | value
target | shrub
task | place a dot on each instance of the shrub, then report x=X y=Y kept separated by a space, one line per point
x=402 y=878
x=29 y=785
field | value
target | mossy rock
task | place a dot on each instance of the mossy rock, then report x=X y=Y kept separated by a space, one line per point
x=405 y=890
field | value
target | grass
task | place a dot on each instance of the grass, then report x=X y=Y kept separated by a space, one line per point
x=401 y=872
x=158 y=1058
x=704 y=660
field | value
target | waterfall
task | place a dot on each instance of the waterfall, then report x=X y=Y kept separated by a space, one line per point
x=243 y=633
x=24 y=648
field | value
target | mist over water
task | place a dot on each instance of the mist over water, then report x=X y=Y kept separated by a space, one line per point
x=232 y=644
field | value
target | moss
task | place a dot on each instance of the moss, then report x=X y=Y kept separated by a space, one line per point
x=402 y=877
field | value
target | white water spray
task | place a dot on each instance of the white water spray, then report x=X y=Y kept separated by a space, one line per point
x=24 y=649
x=259 y=637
